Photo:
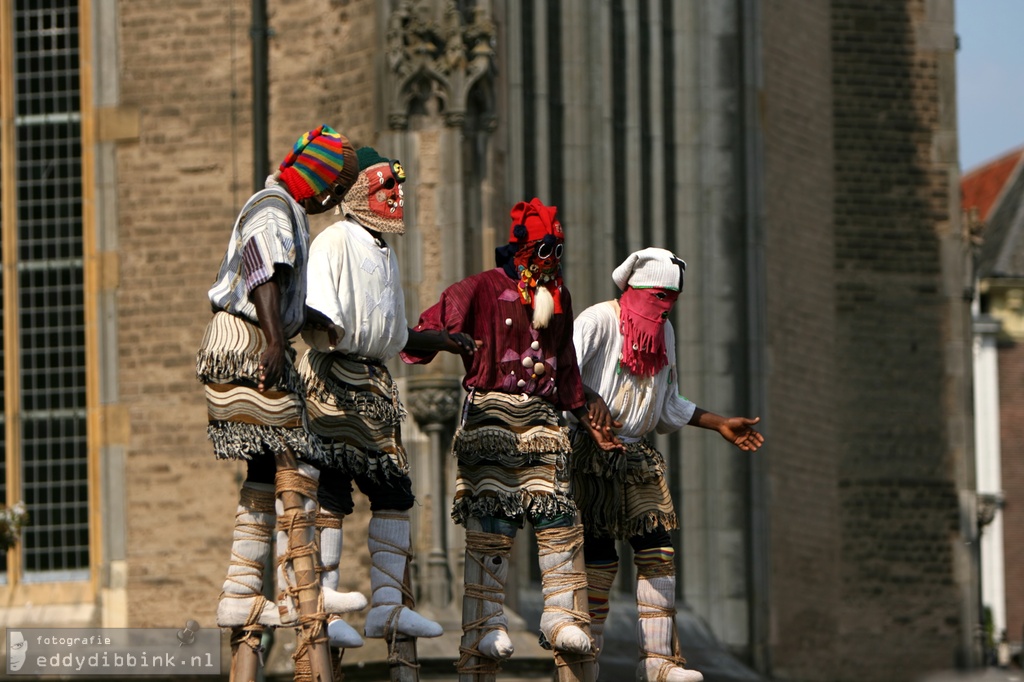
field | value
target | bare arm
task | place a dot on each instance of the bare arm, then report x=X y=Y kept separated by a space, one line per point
x=317 y=321
x=434 y=340
x=737 y=430
x=267 y=299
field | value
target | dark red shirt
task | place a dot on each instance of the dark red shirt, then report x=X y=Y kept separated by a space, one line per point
x=515 y=357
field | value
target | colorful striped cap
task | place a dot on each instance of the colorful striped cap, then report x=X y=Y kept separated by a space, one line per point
x=316 y=160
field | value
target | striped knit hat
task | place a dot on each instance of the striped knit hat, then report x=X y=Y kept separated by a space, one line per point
x=318 y=158
x=650 y=268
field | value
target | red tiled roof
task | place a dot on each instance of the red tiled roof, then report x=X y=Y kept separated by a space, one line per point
x=981 y=186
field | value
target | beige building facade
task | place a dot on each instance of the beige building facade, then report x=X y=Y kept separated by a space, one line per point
x=801 y=157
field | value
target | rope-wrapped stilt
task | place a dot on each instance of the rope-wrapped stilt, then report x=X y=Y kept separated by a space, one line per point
x=296 y=492
x=487 y=557
x=564 y=581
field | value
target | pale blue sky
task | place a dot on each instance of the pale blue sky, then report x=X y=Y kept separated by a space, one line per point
x=990 y=78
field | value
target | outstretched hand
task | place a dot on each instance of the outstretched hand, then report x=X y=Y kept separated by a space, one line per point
x=739 y=432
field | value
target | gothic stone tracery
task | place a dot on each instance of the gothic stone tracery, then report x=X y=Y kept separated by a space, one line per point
x=435 y=62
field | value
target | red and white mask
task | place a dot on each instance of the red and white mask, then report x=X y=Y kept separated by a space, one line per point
x=377 y=199
x=386 y=196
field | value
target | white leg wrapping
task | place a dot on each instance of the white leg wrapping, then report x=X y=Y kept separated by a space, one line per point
x=241 y=601
x=389 y=544
x=560 y=621
x=340 y=633
x=655 y=601
x=486 y=572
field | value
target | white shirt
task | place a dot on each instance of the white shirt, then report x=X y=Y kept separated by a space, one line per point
x=356 y=284
x=271 y=234
x=642 y=403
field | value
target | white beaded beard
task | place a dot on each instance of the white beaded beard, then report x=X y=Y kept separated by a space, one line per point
x=543 y=307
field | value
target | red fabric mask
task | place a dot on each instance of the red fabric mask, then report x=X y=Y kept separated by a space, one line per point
x=642 y=317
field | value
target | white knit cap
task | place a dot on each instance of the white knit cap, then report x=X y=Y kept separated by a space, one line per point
x=650 y=267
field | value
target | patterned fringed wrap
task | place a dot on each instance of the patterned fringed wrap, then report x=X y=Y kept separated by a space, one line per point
x=513 y=453
x=242 y=421
x=354 y=410
x=620 y=494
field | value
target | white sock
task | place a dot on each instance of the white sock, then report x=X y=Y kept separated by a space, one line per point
x=486 y=575
x=389 y=544
x=554 y=565
x=340 y=633
x=496 y=643
x=241 y=600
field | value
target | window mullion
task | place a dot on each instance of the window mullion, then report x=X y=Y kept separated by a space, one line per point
x=8 y=243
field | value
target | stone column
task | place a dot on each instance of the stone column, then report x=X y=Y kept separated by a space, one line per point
x=434 y=402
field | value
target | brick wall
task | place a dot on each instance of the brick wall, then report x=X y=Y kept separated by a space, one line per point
x=898 y=493
x=186 y=67
x=798 y=195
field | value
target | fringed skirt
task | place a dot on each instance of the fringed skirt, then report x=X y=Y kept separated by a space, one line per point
x=243 y=422
x=354 y=410
x=620 y=494
x=513 y=453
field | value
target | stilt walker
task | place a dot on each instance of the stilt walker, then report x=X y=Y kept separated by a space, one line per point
x=627 y=357
x=512 y=446
x=357 y=323
x=253 y=391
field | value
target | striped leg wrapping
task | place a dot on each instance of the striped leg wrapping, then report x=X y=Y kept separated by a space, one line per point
x=600 y=576
x=660 y=657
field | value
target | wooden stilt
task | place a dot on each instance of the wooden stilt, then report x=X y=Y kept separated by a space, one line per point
x=339 y=673
x=577 y=667
x=478 y=668
x=574 y=667
x=403 y=662
x=313 y=630
x=245 y=654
